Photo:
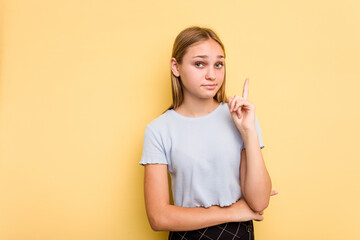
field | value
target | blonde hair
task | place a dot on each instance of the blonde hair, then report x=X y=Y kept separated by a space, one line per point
x=183 y=41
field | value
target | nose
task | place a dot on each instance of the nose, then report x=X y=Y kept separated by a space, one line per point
x=210 y=75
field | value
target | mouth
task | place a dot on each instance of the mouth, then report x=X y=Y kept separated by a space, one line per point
x=210 y=86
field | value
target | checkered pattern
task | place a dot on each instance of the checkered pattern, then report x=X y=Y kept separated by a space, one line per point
x=231 y=231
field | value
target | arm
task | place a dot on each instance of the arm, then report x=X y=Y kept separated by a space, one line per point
x=255 y=180
x=165 y=217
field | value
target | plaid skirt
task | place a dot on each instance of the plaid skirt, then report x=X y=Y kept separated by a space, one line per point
x=231 y=230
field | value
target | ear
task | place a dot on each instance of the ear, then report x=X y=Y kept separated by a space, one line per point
x=174 y=67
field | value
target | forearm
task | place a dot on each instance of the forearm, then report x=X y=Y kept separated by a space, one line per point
x=257 y=184
x=175 y=218
x=165 y=217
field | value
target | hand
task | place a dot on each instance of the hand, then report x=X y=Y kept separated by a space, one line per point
x=242 y=111
x=274 y=192
x=241 y=212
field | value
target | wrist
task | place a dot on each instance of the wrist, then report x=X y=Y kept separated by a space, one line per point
x=235 y=211
x=250 y=138
x=226 y=213
x=248 y=132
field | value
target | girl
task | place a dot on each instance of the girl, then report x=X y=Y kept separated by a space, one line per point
x=211 y=146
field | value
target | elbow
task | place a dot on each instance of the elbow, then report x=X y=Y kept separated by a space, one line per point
x=155 y=227
x=258 y=203
x=158 y=217
x=156 y=223
x=259 y=206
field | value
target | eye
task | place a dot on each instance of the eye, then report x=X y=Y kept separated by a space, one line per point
x=199 y=64
x=219 y=65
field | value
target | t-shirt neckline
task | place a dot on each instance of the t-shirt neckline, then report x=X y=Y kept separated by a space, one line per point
x=196 y=118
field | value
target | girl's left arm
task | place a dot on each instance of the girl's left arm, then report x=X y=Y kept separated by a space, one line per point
x=255 y=179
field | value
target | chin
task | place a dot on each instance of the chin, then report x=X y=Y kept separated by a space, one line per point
x=208 y=96
x=211 y=94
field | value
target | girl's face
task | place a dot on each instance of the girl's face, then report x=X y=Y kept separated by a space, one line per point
x=202 y=69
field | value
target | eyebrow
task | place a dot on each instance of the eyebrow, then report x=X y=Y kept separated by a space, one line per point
x=205 y=56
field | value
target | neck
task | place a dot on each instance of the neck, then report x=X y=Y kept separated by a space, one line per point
x=197 y=107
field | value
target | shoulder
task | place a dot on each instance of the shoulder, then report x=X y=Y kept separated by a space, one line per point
x=225 y=112
x=159 y=123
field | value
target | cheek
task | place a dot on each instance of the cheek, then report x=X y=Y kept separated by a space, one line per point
x=193 y=76
x=221 y=74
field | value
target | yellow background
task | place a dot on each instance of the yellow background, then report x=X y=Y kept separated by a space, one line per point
x=81 y=79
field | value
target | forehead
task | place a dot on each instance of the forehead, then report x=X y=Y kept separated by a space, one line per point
x=208 y=47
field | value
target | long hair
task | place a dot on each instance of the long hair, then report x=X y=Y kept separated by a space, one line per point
x=183 y=41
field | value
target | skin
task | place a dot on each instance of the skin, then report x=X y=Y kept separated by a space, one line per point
x=255 y=180
x=202 y=73
x=202 y=65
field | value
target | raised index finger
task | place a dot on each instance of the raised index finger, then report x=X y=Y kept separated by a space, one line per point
x=246 y=89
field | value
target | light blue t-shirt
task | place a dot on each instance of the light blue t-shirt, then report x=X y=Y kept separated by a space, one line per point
x=203 y=156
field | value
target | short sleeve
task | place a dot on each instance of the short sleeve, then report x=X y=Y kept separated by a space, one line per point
x=153 y=148
x=258 y=130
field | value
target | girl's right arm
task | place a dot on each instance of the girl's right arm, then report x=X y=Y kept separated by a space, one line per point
x=166 y=217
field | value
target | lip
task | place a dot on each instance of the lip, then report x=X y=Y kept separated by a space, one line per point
x=210 y=86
